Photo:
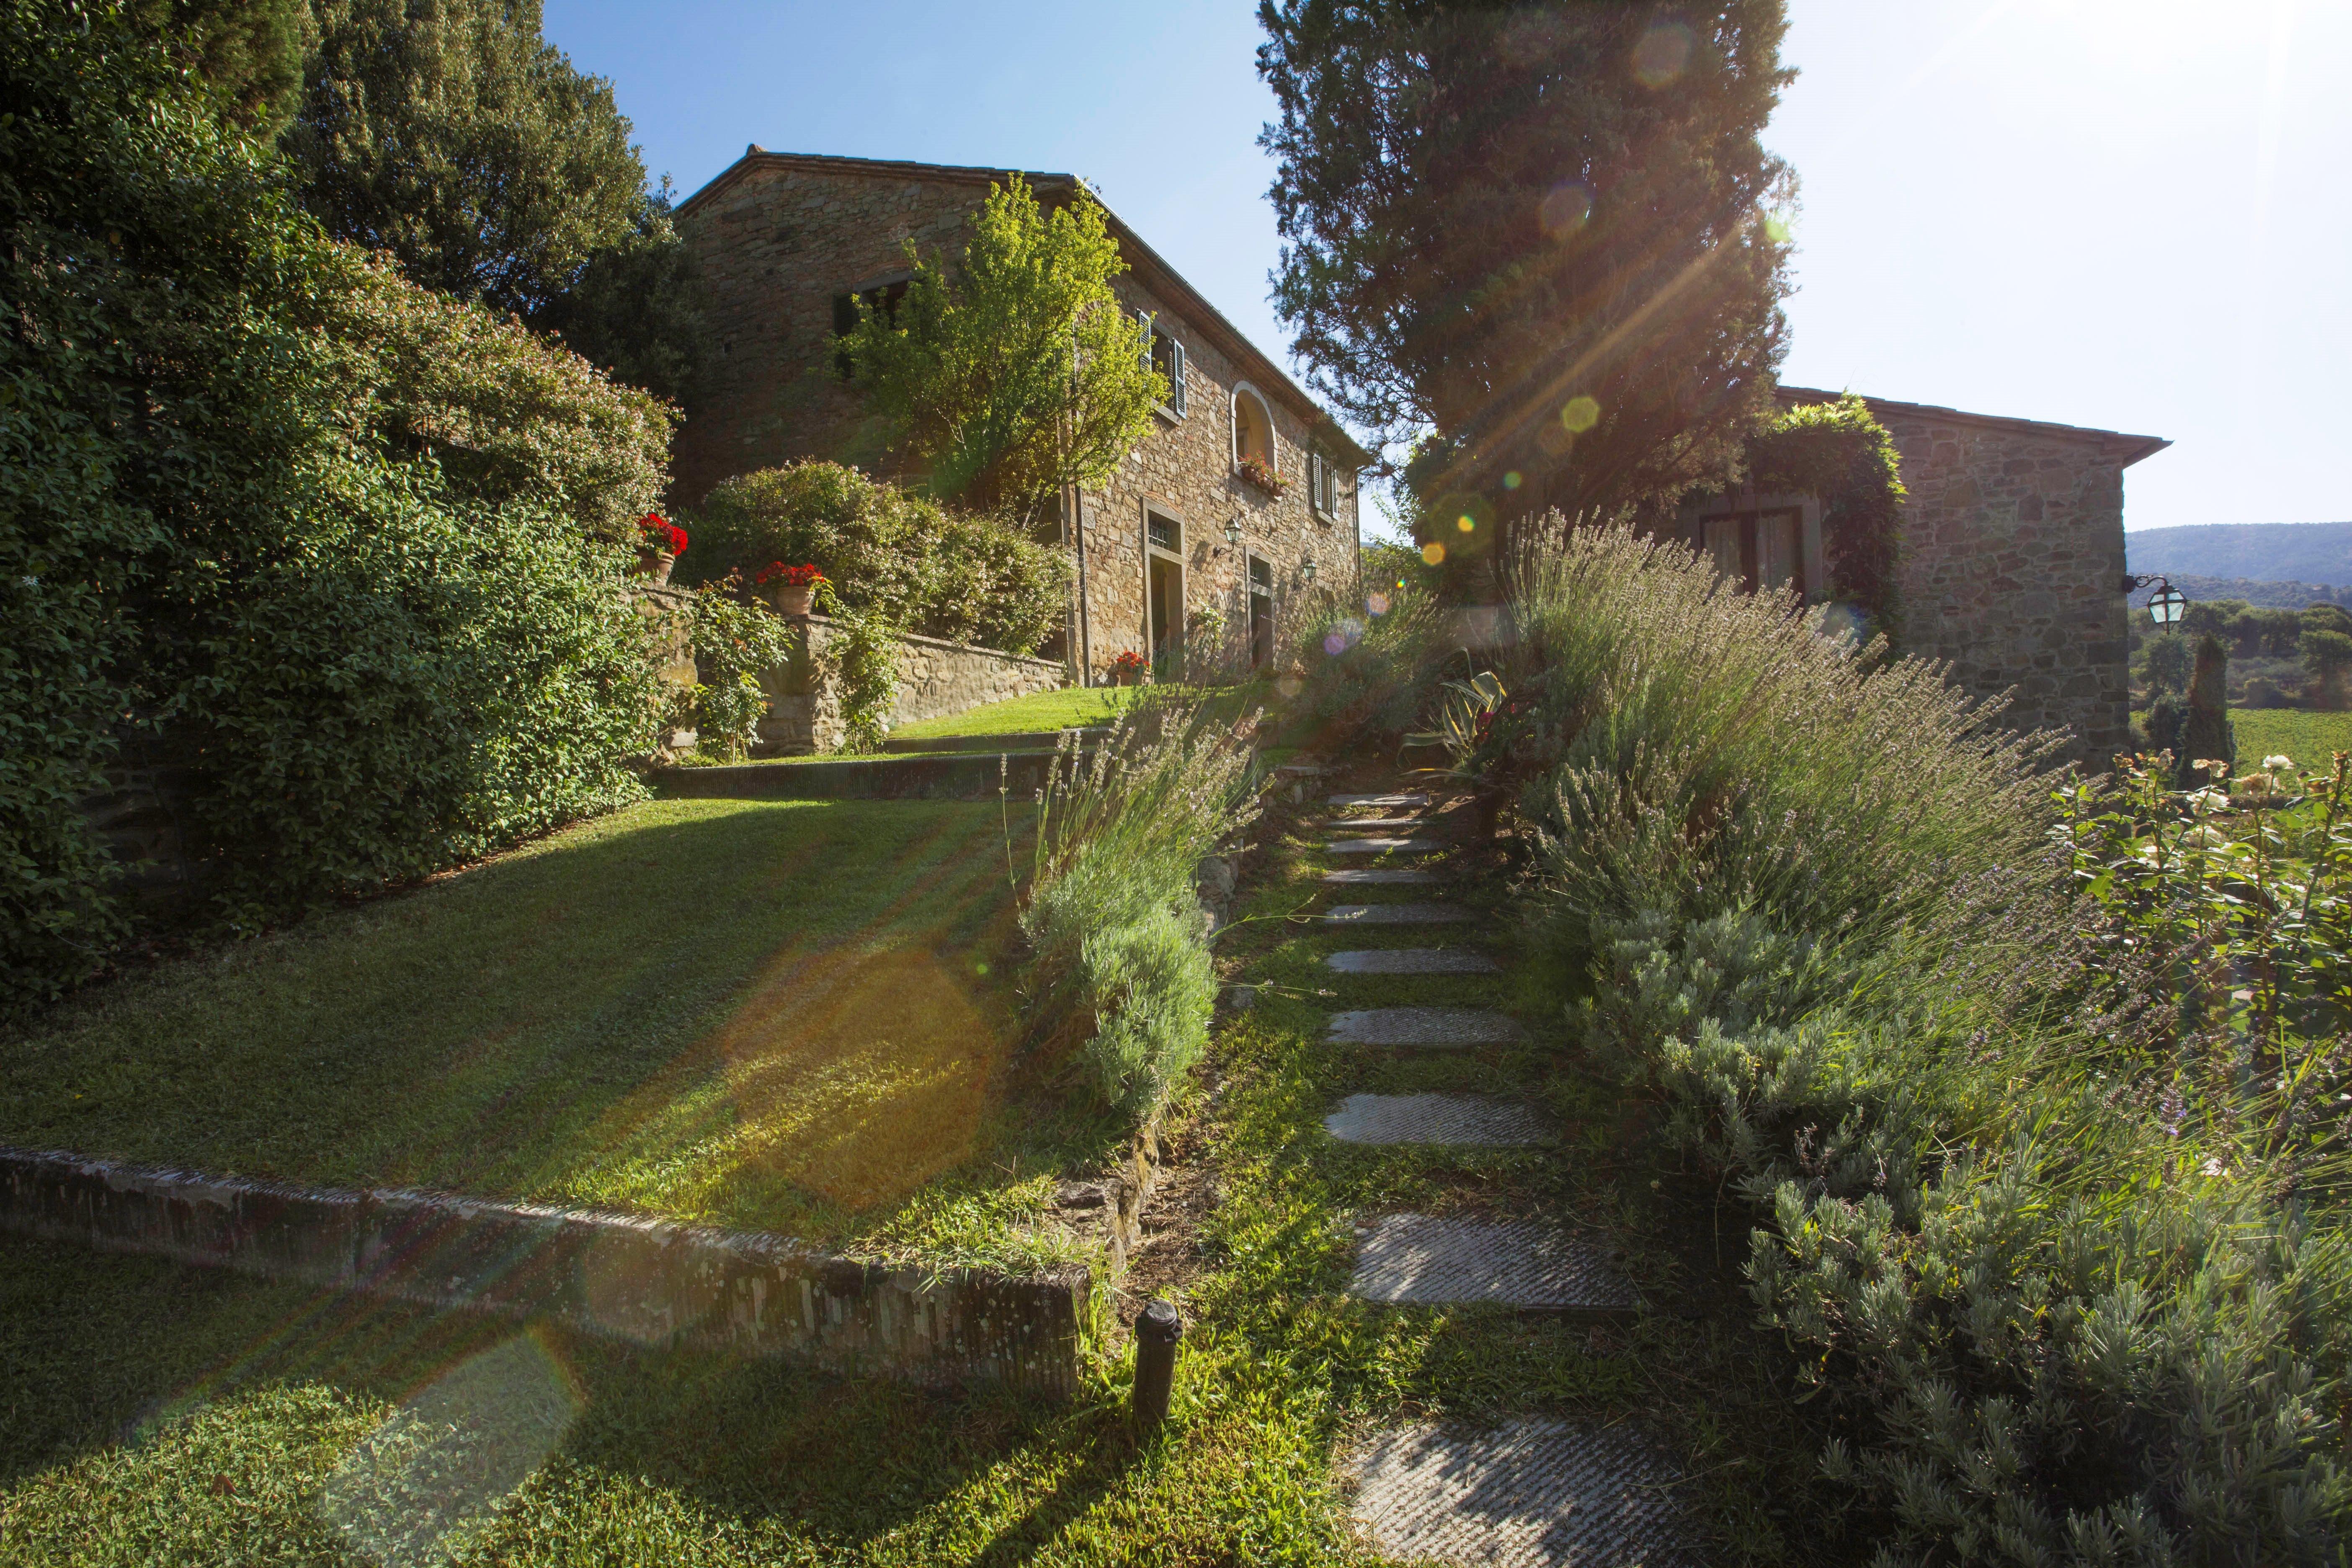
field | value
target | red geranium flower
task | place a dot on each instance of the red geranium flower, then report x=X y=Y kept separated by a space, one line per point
x=659 y=533
x=790 y=576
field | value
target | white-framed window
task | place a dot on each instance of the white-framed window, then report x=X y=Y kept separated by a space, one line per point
x=1253 y=428
x=1165 y=354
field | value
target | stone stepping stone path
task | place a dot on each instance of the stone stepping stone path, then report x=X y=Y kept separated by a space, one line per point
x=1382 y=847
x=1430 y=1260
x=1527 y=1494
x=1394 y=915
x=1446 y=1119
x=1414 y=960
x=1445 y=1028
x=1531 y=1493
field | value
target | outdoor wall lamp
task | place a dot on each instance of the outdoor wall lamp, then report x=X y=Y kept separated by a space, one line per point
x=1233 y=533
x=1307 y=568
x=2166 y=604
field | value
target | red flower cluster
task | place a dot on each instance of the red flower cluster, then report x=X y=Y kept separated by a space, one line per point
x=1127 y=661
x=659 y=533
x=790 y=576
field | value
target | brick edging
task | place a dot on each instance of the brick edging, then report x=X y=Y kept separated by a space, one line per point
x=649 y=1281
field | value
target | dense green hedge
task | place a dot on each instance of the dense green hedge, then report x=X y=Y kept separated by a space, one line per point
x=1839 y=452
x=331 y=537
x=922 y=567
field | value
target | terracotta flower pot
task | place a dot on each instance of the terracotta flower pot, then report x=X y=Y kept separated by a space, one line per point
x=793 y=599
x=654 y=566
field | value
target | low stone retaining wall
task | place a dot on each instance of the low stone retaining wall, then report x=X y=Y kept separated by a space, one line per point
x=936 y=678
x=645 y=1280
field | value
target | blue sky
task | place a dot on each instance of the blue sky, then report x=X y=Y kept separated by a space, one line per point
x=2129 y=213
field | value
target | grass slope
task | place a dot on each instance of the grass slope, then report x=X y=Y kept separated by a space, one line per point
x=251 y=1422
x=779 y=1015
x=1072 y=706
x=2311 y=739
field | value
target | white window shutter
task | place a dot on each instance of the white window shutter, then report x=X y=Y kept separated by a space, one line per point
x=1143 y=320
x=1175 y=376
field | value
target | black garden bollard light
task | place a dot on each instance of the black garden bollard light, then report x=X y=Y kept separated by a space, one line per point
x=1156 y=1333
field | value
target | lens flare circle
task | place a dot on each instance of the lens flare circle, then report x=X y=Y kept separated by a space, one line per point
x=1663 y=53
x=1434 y=553
x=1579 y=415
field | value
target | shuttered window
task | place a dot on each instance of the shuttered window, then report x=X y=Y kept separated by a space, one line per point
x=1166 y=355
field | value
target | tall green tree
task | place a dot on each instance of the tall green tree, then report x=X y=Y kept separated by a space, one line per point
x=248 y=52
x=450 y=135
x=1015 y=373
x=1540 y=229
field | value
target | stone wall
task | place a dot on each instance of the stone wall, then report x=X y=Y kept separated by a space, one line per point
x=936 y=679
x=643 y=1281
x=2012 y=564
x=779 y=236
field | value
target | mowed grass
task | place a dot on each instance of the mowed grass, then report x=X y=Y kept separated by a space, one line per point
x=183 y=1416
x=2311 y=739
x=787 y=1015
x=1072 y=706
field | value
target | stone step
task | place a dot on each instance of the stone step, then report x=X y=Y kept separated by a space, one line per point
x=1342 y=802
x=1394 y=915
x=1414 y=960
x=1529 y=1493
x=1381 y=847
x=1448 y=1119
x=1430 y=1260
x=1377 y=824
x=1436 y=1026
x=1391 y=876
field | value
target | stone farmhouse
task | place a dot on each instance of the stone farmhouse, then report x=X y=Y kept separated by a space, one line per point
x=1184 y=540
x=2012 y=563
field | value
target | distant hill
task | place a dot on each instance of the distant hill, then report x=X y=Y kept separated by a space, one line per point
x=2287 y=552
x=2204 y=590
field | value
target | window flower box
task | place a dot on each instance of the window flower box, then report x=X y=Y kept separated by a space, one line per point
x=1262 y=476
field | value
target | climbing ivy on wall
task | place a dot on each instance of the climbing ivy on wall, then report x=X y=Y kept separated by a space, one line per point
x=1840 y=454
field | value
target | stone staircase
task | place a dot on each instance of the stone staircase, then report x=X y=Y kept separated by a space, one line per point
x=1528 y=1493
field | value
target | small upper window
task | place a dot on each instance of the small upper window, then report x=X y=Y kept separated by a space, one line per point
x=882 y=296
x=1165 y=355
x=1323 y=484
x=1252 y=430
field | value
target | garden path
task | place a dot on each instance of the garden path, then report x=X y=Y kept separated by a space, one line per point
x=1534 y=1492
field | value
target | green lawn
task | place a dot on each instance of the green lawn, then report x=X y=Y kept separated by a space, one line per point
x=2311 y=739
x=181 y=1415
x=1072 y=706
x=784 y=1015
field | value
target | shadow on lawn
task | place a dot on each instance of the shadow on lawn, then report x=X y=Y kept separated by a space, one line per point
x=783 y=1015
x=182 y=1405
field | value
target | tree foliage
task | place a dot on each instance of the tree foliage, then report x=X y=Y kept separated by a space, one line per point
x=451 y=136
x=313 y=532
x=247 y=51
x=1016 y=373
x=1539 y=229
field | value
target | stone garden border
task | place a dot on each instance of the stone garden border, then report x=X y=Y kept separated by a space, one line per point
x=648 y=1281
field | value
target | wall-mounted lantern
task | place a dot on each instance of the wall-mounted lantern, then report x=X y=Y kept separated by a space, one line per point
x=1307 y=569
x=2166 y=604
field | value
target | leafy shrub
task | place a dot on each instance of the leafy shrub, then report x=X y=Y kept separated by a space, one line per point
x=864 y=659
x=734 y=640
x=963 y=576
x=222 y=518
x=1119 y=960
x=1806 y=900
